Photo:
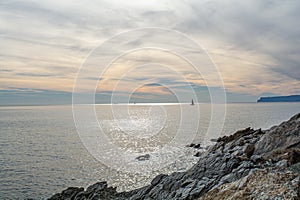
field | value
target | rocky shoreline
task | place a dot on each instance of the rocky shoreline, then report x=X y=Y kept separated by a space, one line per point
x=250 y=164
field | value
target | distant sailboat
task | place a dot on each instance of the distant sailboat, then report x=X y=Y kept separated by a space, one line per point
x=192 y=102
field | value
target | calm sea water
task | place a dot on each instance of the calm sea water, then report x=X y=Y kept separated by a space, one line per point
x=41 y=152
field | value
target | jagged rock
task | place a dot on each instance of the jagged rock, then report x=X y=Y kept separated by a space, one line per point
x=248 y=150
x=198 y=154
x=157 y=179
x=256 y=158
x=143 y=157
x=67 y=194
x=97 y=187
x=196 y=146
x=236 y=135
x=191 y=145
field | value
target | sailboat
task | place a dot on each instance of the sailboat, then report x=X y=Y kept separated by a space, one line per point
x=192 y=102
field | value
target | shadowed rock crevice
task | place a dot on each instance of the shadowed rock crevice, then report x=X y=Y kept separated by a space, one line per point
x=246 y=165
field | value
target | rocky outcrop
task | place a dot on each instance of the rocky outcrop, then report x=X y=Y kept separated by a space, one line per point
x=261 y=183
x=284 y=136
x=246 y=165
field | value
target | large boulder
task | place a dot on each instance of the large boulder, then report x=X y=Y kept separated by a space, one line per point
x=284 y=136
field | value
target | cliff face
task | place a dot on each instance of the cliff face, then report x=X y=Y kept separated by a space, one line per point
x=248 y=164
x=292 y=98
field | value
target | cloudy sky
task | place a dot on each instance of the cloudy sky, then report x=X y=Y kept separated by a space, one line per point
x=254 y=44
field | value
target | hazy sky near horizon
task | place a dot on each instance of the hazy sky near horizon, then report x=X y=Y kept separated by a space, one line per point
x=255 y=45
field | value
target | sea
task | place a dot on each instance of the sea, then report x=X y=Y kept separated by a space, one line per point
x=45 y=149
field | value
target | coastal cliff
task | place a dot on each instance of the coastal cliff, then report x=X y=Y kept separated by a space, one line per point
x=249 y=164
x=291 y=98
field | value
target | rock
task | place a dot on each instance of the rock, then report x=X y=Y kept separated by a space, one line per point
x=236 y=135
x=196 y=146
x=198 y=154
x=66 y=194
x=282 y=164
x=295 y=168
x=248 y=150
x=240 y=142
x=157 y=179
x=259 y=185
x=256 y=158
x=97 y=191
x=187 y=182
x=291 y=155
x=143 y=157
x=191 y=145
x=97 y=187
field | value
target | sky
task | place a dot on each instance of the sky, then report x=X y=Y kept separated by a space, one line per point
x=255 y=46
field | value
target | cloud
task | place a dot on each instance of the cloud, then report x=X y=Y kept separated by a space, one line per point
x=255 y=44
x=35 y=75
x=264 y=27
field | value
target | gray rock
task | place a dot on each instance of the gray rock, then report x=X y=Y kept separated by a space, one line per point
x=248 y=150
x=295 y=168
x=157 y=179
x=198 y=154
x=256 y=158
x=67 y=194
x=143 y=157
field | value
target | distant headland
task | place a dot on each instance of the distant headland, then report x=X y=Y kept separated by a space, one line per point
x=291 y=98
